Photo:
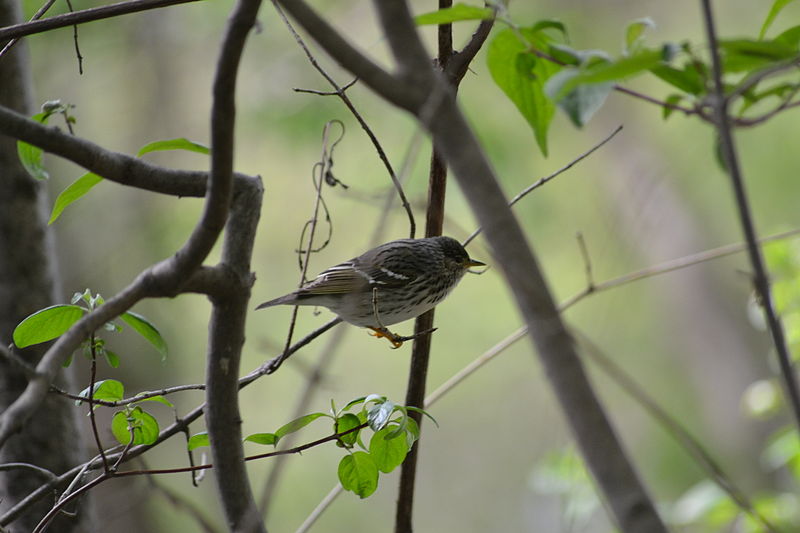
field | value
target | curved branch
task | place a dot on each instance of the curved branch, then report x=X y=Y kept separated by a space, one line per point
x=113 y=166
x=226 y=327
x=85 y=15
x=631 y=506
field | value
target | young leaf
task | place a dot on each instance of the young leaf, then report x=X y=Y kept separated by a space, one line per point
x=145 y=426
x=673 y=99
x=634 y=33
x=412 y=432
x=112 y=358
x=378 y=415
x=109 y=390
x=31 y=156
x=75 y=191
x=687 y=80
x=455 y=13
x=269 y=439
x=173 y=144
x=608 y=71
x=345 y=422
x=358 y=473
x=581 y=102
x=47 y=324
x=197 y=440
x=159 y=399
x=297 y=424
x=387 y=453
x=777 y=6
x=521 y=75
x=143 y=327
x=746 y=54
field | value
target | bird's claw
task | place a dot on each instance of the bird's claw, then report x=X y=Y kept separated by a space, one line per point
x=397 y=340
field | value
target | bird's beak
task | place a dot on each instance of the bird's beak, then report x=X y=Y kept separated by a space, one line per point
x=474 y=263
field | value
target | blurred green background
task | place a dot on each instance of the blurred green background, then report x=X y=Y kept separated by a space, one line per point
x=654 y=193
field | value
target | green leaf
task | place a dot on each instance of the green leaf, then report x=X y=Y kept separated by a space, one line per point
x=159 y=399
x=687 y=80
x=777 y=6
x=173 y=144
x=269 y=439
x=608 y=71
x=109 y=390
x=746 y=54
x=387 y=453
x=345 y=422
x=634 y=33
x=31 y=156
x=358 y=473
x=455 y=13
x=521 y=75
x=297 y=424
x=75 y=191
x=412 y=432
x=145 y=426
x=673 y=99
x=546 y=24
x=582 y=101
x=112 y=358
x=790 y=37
x=197 y=440
x=47 y=324
x=146 y=329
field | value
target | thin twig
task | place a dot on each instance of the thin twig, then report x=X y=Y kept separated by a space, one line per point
x=181 y=502
x=85 y=15
x=538 y=183
x=676 y=430
x=27 y=466
x=340 y=92
x=322 y=167
x=36 y=16
x=731 y=157
x=92 y=418
x=75 y=41
x=587 y=261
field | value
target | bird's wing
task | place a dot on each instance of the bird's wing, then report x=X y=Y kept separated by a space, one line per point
x=355 y=276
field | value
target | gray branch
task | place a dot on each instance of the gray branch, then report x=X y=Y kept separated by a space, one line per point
x=418 y=89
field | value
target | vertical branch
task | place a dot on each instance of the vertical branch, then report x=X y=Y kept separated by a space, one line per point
x=760 y=280
x=226 y=326
x=420 y=352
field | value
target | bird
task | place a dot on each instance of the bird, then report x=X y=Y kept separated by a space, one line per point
x=388 y=284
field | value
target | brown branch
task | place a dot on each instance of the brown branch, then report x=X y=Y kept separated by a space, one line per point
x=36 y=16
x=113 y=166
x=86 y=15
x=730 y=155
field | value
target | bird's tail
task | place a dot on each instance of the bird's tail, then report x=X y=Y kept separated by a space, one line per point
x=287 y=299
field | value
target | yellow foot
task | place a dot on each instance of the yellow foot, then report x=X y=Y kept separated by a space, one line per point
x=397 y=340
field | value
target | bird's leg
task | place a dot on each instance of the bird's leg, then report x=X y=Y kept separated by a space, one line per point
x=382 y=331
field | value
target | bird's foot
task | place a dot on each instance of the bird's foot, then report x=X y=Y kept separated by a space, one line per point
x=397 y=340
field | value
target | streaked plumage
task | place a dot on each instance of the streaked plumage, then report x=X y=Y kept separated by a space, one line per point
x=411 y=276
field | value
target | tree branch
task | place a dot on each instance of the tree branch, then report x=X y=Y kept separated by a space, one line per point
x=719 y=104
x=85 y=15
x=229 y=311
